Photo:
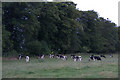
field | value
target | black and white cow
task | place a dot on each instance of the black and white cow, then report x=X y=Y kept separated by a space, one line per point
x=102 y=56
x=61 y=56
x=97 y=58
x=41 y=56
x=51 y=56
x=73 y=56
x=20 y=56
x=58 y=56
x=27 y=58
x=76 y=58
x=80 y=58
x=64 y=57
x=92 y=57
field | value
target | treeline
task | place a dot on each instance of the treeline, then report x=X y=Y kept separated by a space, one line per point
x=42 y=28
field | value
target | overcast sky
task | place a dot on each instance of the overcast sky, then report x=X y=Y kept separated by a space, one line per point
x=105 y=8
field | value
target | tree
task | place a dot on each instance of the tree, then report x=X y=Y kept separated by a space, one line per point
x=33 y=28
x=118 y=44
x=7 y=44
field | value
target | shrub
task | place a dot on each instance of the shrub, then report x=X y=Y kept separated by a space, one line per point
x=37 y=47
x=12 y=53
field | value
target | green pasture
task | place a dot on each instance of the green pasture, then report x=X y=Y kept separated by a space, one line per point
x=57 y=68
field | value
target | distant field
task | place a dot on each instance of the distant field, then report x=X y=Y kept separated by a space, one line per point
x=57 y=68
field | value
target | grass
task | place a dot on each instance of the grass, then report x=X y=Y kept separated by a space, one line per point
x=57 y=68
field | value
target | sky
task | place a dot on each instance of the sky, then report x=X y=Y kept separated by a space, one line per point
x=104 y=8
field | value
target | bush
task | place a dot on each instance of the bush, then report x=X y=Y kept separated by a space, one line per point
x=86 y=49
x=12 y=53
x=37 y=47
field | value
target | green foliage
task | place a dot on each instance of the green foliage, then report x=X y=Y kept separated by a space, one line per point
x=37 y=47
x=100 y=35
x=118 y=44
x=12 y=53
x=7 y=44
x=86 y=49
x=39 y=28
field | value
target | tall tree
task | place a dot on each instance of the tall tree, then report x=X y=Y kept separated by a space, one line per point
x=38 y=28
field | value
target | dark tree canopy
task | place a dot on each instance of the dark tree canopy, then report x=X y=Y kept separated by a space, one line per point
x=44 y=27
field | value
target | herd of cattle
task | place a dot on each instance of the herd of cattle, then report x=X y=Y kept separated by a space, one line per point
x=63 y=57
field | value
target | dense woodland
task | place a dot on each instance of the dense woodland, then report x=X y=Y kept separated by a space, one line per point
x=46 y=27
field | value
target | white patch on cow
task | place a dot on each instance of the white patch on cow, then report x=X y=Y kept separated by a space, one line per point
x=93 y=58
x=80 y=58
x=20 y=57
x=51 y=56
x=58 y=57
x=75 y=59
x=27 y=58
x=64 y=57
x=42 y=56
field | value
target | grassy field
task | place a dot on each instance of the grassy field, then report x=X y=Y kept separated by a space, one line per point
x=57 y=68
